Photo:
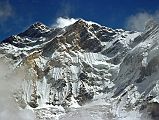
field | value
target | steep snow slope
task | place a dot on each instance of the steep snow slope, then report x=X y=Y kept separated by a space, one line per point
x=138 y=76
x=84 y=62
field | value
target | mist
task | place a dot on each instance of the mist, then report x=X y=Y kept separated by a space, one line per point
x=10 y=81
x=62 y=22
x=138 y=21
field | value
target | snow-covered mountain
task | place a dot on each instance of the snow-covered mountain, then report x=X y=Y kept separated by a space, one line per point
x=85 y=63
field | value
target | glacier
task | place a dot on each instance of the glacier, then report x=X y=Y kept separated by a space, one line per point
x=85 y=71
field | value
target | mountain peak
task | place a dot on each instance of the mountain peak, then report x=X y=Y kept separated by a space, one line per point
x=82 y=21
x=81 y=62
x=35 y=30
x=39 y=25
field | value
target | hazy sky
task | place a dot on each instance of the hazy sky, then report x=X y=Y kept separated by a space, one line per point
x=17 y=15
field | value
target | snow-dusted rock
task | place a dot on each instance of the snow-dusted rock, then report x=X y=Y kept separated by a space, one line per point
x=79 y=63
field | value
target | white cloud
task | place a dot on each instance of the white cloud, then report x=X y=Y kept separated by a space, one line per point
x=137 y=22
x=6 y=10
x=63 y=22
x=9 y=81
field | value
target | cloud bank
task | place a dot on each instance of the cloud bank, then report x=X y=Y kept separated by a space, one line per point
x=137 y=22
x=9 y=81
x=63 y=22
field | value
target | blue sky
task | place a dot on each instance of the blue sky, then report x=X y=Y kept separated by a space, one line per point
x=17 y=15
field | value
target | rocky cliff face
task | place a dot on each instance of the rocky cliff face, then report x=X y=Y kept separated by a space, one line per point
x=79 y=63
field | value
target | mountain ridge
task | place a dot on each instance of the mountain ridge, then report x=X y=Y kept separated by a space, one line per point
x=78 y=63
